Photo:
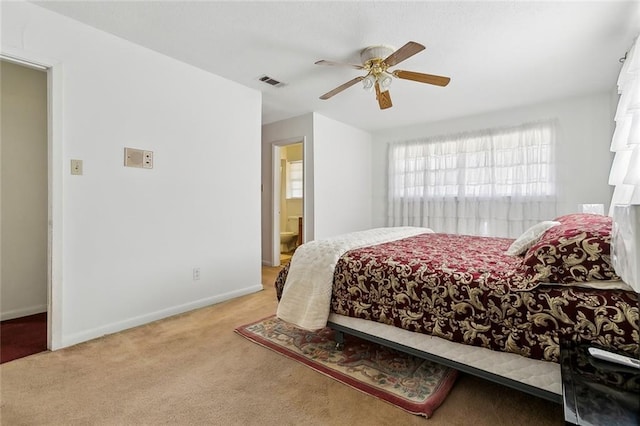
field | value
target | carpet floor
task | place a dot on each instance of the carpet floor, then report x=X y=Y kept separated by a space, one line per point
x=24 y=336
x=192 y=369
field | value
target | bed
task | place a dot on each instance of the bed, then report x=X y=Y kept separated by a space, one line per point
x=493 y=307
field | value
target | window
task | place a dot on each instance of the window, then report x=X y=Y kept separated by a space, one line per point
x=488 y=182
x=294 y=179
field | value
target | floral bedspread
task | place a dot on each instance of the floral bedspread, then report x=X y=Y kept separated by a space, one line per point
x=465 y=289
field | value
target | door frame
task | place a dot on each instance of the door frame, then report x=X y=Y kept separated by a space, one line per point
x=275 y=194
x=55 y=169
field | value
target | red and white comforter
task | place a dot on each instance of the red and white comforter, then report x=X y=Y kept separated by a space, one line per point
x=466 y=289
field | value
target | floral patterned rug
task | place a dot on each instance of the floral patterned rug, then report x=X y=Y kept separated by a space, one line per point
x=413 y=384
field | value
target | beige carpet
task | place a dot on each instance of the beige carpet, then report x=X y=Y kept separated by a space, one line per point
x=193 y=369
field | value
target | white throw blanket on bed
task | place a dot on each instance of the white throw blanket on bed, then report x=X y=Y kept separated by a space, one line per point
x=306 y=296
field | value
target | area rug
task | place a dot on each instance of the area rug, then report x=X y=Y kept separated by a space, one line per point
x=413 y=384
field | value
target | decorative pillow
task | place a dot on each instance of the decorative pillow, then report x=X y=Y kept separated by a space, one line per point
x=578 y=219
x=577 y=250
x=530 y=237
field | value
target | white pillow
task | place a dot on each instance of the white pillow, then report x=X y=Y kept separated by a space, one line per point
x=530 y=237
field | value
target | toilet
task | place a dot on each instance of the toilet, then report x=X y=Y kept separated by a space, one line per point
x=289 y=236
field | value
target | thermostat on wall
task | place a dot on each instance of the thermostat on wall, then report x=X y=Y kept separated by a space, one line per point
x=138 y=158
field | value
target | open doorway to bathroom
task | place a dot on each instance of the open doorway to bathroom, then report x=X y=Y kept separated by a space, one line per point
x=291 y=199
x=24 y=173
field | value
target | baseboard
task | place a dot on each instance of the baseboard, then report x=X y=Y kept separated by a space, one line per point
x=23 y=312
x=84 y=336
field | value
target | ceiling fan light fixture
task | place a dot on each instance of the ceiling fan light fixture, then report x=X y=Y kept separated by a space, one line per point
x=385 y=81
x=376 y=61
x=368 y=82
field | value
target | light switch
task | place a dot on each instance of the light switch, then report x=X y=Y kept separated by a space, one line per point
x=76 y=167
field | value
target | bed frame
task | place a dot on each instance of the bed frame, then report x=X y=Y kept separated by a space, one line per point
x=535 y=377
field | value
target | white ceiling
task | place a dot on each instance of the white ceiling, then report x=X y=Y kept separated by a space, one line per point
x=498 y=54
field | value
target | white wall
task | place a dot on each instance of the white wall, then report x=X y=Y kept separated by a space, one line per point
x=23 y=279
x=342 y=179
x=130 y=237
x=583 y=157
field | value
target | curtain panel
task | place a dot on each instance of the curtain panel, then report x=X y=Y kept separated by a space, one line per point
x=625 y=170
x=494 y=182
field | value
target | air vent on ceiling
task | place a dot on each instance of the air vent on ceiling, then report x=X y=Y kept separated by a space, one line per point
x=271 y=81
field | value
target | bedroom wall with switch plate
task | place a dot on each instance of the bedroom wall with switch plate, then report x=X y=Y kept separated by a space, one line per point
x=130 y=234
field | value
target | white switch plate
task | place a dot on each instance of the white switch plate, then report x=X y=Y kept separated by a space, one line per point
x=76 y=167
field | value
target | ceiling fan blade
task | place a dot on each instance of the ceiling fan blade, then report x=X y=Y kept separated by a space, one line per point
x=341 y=88
x=405 y=52
x=340 y=64
x=422 y=78
x=384 y=98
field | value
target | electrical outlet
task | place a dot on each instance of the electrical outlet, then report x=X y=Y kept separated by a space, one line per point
x=138 y=158
x=147 y=159
x=196 y=274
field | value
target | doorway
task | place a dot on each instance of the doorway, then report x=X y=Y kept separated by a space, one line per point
x=288 y=199
x=24 y=253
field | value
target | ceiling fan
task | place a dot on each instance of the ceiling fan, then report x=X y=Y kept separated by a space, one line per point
x=376 y=60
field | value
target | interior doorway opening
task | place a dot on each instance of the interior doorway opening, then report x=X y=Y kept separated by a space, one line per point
x=24 y=249
x=288 y=199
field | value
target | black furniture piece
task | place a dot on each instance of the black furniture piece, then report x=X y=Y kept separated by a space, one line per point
x=597 y=392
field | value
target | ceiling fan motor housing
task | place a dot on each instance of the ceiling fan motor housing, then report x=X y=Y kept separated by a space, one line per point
x=375 y=52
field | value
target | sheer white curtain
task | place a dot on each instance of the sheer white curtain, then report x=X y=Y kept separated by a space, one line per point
x=495 y=182
x=625 y=170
